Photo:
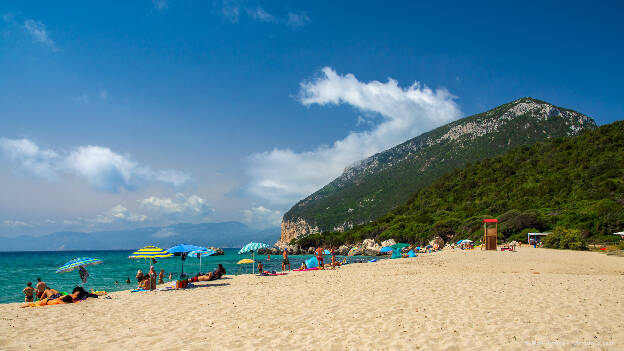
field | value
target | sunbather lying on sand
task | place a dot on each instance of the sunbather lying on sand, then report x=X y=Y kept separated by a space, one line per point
x=54 y=299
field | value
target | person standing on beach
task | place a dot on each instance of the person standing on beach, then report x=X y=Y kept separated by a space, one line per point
x=319 y=256
x=285 y=261
x=40 y=287
x=161 y=277
x=152 y=276
x=28 y=292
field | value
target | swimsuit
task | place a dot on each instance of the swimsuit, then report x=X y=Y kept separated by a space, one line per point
x=55 y=296
x=285 y=261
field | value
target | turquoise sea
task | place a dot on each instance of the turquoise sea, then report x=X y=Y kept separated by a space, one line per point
x=18 y=268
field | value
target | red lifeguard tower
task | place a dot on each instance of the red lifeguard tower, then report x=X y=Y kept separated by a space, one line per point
x=490 y=228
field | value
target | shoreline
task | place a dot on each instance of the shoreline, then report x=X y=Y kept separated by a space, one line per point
x=449 y=300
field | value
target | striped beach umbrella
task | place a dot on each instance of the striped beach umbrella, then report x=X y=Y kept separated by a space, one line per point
x=252 y=247
x=150 y=252
x=78 y=262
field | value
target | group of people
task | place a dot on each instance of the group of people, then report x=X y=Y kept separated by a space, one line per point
x=38 y=290
x=320 y=256
x=51 y=296
x=148 y=281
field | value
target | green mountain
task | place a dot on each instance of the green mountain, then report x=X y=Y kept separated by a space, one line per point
x=572 y=183
x=374 y=186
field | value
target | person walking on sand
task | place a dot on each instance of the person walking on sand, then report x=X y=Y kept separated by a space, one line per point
x=161 y=277
x=40 y=287
x=28 y=292
x=285 y=261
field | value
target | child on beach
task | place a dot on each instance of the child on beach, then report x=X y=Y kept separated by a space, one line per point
x=260 y=268
x=161 y=277
x=28 y=292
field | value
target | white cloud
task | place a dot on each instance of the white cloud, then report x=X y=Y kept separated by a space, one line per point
x=39 y=162
x=259 y=14
x=117 y=214
x=14 y=223
x=297 y=19
x=230 y=10
x=182 y=206
x=284 y=176
x=103 y=169
x=160 y=5
x=38 y=32
x=262 y=217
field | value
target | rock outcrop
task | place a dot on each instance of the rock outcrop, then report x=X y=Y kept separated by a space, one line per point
x=295 y=229
x=217 y=250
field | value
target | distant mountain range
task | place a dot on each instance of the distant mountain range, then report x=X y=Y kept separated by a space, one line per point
x=374 y=186
x=223 y=234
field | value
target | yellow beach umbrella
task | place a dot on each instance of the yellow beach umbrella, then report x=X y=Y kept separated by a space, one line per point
x=245 y=260
x=149 y=252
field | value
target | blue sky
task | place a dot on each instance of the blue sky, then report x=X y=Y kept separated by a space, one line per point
x=126 y=114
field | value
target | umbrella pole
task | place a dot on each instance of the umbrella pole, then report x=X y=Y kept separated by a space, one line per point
x=200 y=264
x=253 y=264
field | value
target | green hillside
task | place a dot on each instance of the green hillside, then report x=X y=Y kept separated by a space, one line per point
x=574 y=183
x=368 y=190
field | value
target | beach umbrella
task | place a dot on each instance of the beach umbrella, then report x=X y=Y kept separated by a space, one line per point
x=182 y=250
x=246 y=261
x=79 y=263
x=386 y=249
x=399 y=246
x=252 y=247
x=326 y=252
x=459 y=242
x=200 y=253
x=150 y=252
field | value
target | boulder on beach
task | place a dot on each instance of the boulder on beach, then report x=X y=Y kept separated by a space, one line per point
x=343 y=250
x=217 y=251
x=388 y=242
x=370 y=247
x=437 y=240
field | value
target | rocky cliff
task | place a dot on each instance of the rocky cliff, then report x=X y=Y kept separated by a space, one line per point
x=372 y=187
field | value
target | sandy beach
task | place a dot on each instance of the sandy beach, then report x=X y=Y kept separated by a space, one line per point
x=449 y=300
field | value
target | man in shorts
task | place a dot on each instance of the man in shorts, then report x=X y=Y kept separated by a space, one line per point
x=319 y=256
x=285 y=261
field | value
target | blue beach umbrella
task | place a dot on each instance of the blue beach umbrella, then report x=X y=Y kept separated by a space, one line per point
x=252 y=247
x=199 y=254
x=386 y=249
x=79 y=263
x=182 y=250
